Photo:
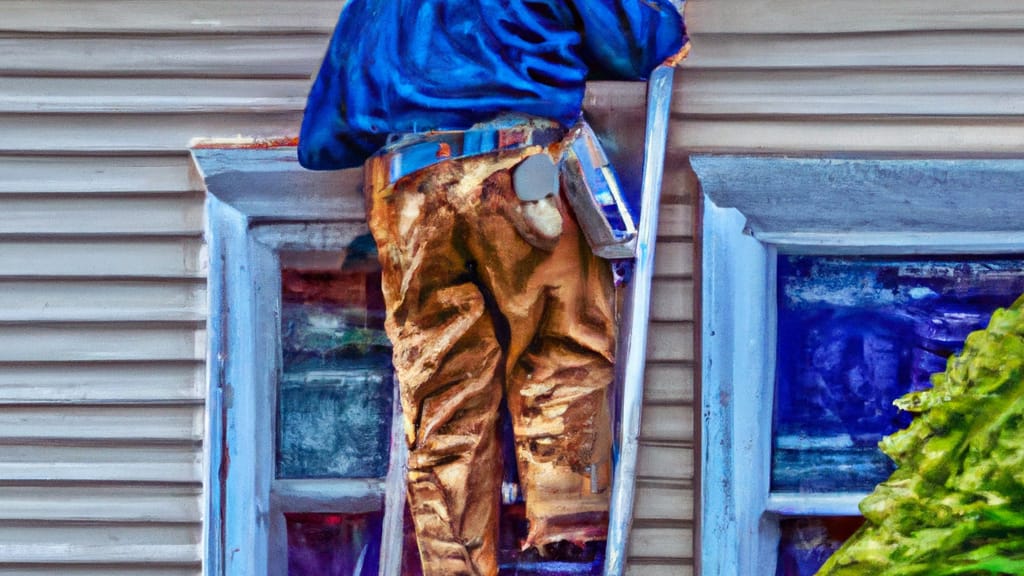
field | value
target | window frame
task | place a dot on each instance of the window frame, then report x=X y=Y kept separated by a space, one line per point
x=259 y=204
x=755 y=208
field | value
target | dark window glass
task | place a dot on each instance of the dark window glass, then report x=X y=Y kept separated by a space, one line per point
x=805 y=543
x=854 y=334
x=335 y=392
x=334 y=544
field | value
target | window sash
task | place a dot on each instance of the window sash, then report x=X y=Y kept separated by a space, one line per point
x=321 y=495
x=823 y=504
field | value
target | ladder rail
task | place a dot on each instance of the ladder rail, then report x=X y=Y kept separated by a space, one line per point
x=633 y=340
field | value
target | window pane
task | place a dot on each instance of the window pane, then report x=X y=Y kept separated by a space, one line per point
x=806 y=543
x=334 y=544
x=854 y=334
x=335 y=392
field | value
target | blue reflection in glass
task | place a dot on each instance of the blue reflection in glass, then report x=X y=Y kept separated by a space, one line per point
x=854 y=334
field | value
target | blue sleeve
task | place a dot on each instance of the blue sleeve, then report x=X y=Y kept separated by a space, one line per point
x=627 y=39
x=328 y=140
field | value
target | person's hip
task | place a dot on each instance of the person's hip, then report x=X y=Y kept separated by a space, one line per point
x=574 y=160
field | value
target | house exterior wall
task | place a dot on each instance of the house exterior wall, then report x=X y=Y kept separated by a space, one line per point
x=102 y=263
x=897 y=79
x=904 y=77
x=103 y=297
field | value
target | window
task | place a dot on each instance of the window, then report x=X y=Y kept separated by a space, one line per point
x=309 y=475
x=831 y=287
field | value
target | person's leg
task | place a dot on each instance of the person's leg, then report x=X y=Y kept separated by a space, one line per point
x=450 y=369
x=558 y=299
x=558 y=397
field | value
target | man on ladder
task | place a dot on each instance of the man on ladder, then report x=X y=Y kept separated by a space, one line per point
x=465 y=112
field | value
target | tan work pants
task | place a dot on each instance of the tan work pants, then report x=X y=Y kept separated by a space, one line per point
x=474 y=312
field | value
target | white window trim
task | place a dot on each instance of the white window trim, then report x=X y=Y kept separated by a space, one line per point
x=757 y=207
x=260 y=203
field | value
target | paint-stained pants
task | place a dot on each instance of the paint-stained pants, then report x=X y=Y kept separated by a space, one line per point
x=475 y=312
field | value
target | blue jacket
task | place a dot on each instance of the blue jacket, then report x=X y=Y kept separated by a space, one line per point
x=415 y=65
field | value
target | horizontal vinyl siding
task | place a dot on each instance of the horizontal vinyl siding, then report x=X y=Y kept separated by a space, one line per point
x=835 y=77
x=163 y=17
x=103 y=290
x=102 y=317
x=661 y=541
x=102 y=263
x=819 y=77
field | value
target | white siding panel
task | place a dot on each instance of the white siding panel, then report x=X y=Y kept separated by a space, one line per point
x=820 y=77
x=98 y=300
x=157 y=132
x=108 y=553
x=139 y=568
x=671 y=300
x=162 y=17
x=173 y=215
x=664 y=502
x=834 y=92
x=808 y=51
x=921 y=136
x=60 y=382
x=100 y=342
x=141 y=95
x=657 y=569
x=117 y=472
x=667 y=424
x=155 y=504
x=669 y=382
x=673 y=259
x=817 y=17
x=661 y=541
x=102 y=257
x=103 y=174
x=670 y=341
x=266 y=55
x=666 y=461
x=78 y=534
x=675 y=220
x=133 y=464
x=124 y=425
